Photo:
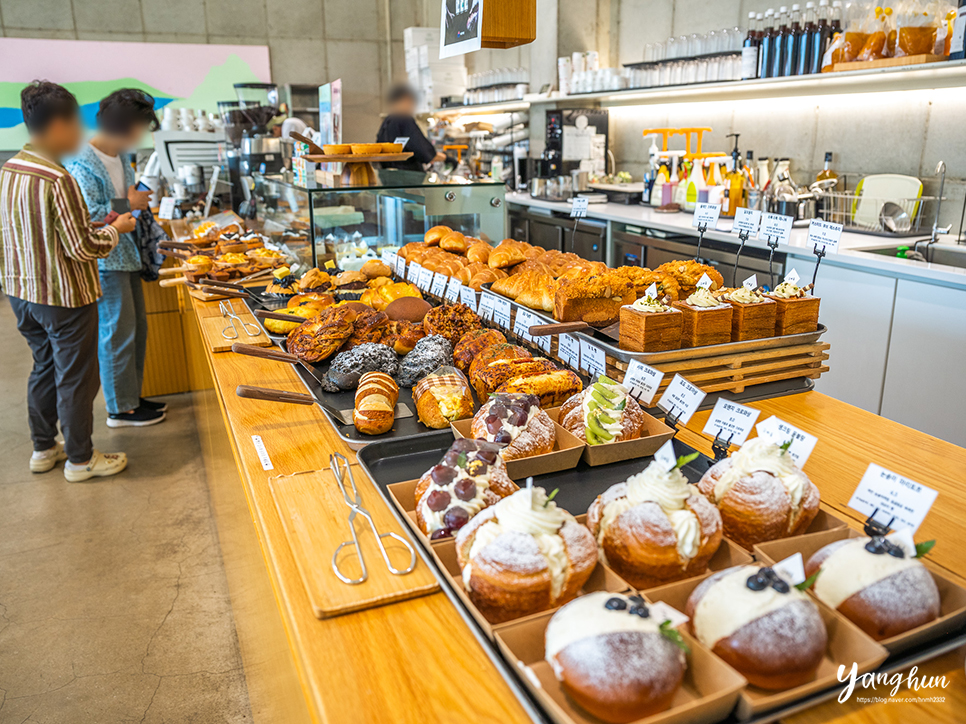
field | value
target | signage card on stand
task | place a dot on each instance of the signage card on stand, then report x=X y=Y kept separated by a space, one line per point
x=642 y=381
x=731 y=422
x=681 y=399
x=894 y=495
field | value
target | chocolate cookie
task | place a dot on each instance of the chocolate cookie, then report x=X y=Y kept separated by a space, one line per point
x=348 y=367
x=429 y=354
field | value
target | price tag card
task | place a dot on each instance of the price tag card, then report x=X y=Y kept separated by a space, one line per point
x=775 y=228
x=453 y=290
x=579 y=208
x=425 y=279
x=824 y=234
x=568 y=347
x=400 y=267
x=166 y=210
x=893 y=495
x=593 y=359
x=501 y=312
x=439 y=284
x=521 y=327
x=486 y=306
x=263 y=457
x=412 y=275
x=747 y=221
x=651 y=291
x=704 y=282
x=642 y=381
x=403 y=140
x=792 y=277
x=681 y=399
x=706 y=215
x=731 y=422
x=780 y=432
x=665 y=457
x=903 y=538
x=389 y=257
x=792 y=569
x=751 y=282
x=468 y=297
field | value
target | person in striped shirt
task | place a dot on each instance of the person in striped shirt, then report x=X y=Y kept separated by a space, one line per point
x=48 y=268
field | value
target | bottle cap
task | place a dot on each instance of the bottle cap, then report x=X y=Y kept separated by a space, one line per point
x=758 y=16
x=769 y=12
x=823 y=3
x=783 y=9
x=809 y=6
x=751 y=15
x=796 y=7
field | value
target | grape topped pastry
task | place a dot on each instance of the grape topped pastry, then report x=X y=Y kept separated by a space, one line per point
x=516 y=421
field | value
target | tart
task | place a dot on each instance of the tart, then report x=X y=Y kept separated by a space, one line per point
x=650 y=325
x=706 y=320
x=518 y=423
x=603 y=413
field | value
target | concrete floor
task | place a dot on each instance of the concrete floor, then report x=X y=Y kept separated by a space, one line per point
x=113 y=599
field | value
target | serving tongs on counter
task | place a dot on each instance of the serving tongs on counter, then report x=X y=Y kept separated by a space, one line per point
x=354 y=502
x=229 y=313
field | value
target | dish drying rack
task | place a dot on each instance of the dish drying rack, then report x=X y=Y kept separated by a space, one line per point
x=859 y=212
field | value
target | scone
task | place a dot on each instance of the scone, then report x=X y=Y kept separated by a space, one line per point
x=524 y=555
x=603 y=413
x=518 y=423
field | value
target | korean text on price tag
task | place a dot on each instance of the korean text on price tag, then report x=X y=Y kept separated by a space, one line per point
x=425 y=279
x=521 y=327
x=453 y=290
x=893 y=495
x=731 y=422
x=792 y=277
x=706 y=215
x=592 y=359
x=166 y=210
x=501 y=312
x=568 y=347
x=781 y=433
x=388 y=257
x=642 y=381
x=824 y=234
x=704 y=282
x=681 y=399
x=579 y=208
x=775 y=228
x=468 y=297
x=651 y=291
x=439 y=284
x=400 y=267
x=485 y=309
x=747 y=221
x=751 y=282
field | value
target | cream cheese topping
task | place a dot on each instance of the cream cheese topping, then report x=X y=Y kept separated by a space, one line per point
x=703 y=298
x=852 y=568
x=623 y=396
x=729 y=604
x=514 y=430
x=757 y=455
x=744 y=295
x=649 y=304
x=434 y=518
x=787 y=290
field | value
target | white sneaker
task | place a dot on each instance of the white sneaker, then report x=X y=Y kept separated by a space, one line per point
x=101 y=465
x=43 y=460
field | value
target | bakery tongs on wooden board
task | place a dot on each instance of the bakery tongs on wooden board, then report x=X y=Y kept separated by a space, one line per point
x=340 y=471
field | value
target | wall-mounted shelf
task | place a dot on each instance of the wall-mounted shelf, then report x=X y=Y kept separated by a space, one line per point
x=482 y=109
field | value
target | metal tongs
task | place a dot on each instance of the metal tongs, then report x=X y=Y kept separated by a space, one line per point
x=336 y=461
x=228 y=312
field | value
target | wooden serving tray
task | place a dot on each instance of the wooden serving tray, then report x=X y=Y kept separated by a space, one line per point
x=315 y=518
x=357 y=158
x=211 y=330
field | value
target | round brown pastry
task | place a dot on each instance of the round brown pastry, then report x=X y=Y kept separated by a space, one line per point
x=472 y=343
x=379 y=282
x=654 y=528
x=351 y=280
x=315 y=280
x=433 y=236
x=524 y=555
x=603 y=413
x=470 y=477
x=517 y=422
x=404 y=335
x=321 y=336
x=376 y=268
x=493 y=375
x=369 y=326
x=767 y=630
x=443 y=397
x=429 y=354
x=316 y=300
x=277 y=326
x=875 y=584
x=451 y=321
x=761 y=493
x=410 y=309
x=375 y=404
x=612 y=657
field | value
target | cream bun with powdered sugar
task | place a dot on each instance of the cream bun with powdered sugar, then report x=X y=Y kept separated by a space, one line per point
x=524 y=555
x=766 y=629
x=655 y=528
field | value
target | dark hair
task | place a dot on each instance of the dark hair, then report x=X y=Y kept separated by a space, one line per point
x=43 y=101
x=125 y=108
x=400 y=92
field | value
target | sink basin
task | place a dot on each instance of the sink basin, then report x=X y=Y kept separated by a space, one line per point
x=944 y=254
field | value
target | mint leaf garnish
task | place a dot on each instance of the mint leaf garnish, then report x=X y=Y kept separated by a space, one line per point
x=923 y=548
x=674 y=636
x=551 y=496
x=685 y=459
x=808 y=582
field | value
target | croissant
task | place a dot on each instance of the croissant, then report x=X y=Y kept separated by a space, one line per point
x=507 y=254
x=538 y=293
x=484 y=277
x=466 y=274
x=506 y=286
x=479 y=252
x=434 y=235
x=553 y=388
x=409 y=248
x=454 y=242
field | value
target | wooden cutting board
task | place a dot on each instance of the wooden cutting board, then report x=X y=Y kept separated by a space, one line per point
x=212 y=327
x=315 y=518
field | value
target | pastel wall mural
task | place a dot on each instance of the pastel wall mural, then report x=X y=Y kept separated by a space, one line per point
x=180 y=75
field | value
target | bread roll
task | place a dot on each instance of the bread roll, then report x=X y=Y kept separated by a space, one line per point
x=443 y=397
x=454 y=242
x=375 y=404
x=479 y=252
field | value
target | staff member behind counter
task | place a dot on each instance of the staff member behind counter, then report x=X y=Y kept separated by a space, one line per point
x=401 y=123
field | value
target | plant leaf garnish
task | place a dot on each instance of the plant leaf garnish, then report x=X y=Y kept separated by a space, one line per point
x=685 y=459
x=923 y=548
x=785 y=445
x=551 y=496
x=674 y=636
x=461 y=460
x=808 y=582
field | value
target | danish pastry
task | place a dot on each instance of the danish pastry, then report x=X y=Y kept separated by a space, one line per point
x=688 y=273
x=320 y=337
x=517 y=422
x=603 y=413
x=492 y=375
x=551 y=388
x=472 y=343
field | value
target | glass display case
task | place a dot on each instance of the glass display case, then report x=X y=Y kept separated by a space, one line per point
x=350 y=224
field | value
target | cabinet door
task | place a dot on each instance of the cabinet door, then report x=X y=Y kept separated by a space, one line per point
x=925 y=385
x=545 y=235
x=519 y=227
x=627 y=253
x=587 y=245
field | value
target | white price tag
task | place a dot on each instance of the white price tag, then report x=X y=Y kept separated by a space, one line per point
x=792 y=277
x=751 y=282
x=400 y=267
x=521 y=327
x=579 y=208
x=568 y=347
x=903 y=538
x=593 y=359
x=439 y=284
x=453 y=290
x=706 y=215
x=747 y=221
x=486 y=306
x=651 y=291
x=501 y=312
x=425 y=279
x=166 y=210
x=824 y=234
x=468 y=297
x=661 y=611
x=731 y=422
x=775 y=228
x=893 y=495
x=263 y=457
x=704 y=282
x=413 y=274
x=792 y=569
x=780 y=432
x=642 y=381
x=404 y=140
x=681 y=399
x=388 y=258
x=665 y=457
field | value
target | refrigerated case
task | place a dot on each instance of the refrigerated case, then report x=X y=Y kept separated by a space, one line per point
x=586 y=238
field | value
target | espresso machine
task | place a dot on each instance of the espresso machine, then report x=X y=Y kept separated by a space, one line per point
x=251 y=146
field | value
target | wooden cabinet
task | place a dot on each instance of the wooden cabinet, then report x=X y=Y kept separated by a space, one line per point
x=509 y=23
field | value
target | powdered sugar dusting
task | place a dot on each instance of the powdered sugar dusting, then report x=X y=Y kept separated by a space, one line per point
x=513 y=552
x=910 y=595
x=624 y=659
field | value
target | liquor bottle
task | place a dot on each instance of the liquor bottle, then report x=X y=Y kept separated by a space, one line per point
x=734 y=183
x=818 y=40
x=767 y=49
x=792 y=42
x=835 y=19
x=805 y=45
x=778 y=58
x=750 y=47
x=827 y=172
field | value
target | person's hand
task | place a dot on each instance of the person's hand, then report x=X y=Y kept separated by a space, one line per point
x=138 y=199
x=440 y=156
x=124 y=223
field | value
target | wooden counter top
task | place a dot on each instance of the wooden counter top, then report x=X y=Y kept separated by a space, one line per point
x=416 y=661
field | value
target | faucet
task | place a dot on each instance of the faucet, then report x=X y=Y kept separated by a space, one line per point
x=936 y=228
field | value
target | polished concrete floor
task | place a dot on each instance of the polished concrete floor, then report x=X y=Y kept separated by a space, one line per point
x=113 y=600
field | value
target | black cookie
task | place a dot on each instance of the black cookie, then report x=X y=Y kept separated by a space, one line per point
x=429 y=354
x=348 y=367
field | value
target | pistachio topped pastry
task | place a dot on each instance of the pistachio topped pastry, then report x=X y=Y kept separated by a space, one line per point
x=703 y=298
x=787 y=290
x=743 y=295
x=650 y=304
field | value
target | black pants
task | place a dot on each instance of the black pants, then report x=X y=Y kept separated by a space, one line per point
x=64 y=380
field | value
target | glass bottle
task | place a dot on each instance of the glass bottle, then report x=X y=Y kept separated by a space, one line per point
x=835 y=19
x=805 y=46
x=767 y=49
x=781 y=34
x=827 y=172
x=818 y=39
x=792 y=42
x=750 y=47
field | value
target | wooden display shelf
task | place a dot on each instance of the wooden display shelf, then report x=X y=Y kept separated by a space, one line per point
x=904 y=61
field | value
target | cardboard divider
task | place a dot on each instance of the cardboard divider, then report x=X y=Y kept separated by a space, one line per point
x=847 y=644
x=952 y=597
x=708 y=692
x=656 y=433
x=824 y=521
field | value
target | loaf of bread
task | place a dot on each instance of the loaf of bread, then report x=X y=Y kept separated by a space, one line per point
x=375 y=404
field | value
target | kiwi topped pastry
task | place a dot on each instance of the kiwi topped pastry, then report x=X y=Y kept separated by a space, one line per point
x=603 y=413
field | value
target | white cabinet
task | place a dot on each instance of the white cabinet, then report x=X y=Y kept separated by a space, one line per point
x=925 y=383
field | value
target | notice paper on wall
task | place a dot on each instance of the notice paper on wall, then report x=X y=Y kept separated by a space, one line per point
x=461 y=27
